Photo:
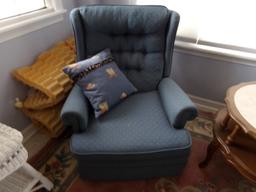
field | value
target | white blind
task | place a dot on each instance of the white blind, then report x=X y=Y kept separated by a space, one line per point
x=10 y=8
x=222 y=23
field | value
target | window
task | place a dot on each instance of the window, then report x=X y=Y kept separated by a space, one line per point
x=226 y=25
x=11 y=8
x=19 y=17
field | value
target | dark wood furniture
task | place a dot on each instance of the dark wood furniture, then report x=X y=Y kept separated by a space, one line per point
x=235 y=132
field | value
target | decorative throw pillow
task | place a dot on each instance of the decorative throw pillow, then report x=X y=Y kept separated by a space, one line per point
x=101 y=81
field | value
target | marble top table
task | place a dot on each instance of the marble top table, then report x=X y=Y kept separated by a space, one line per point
x=241 y=105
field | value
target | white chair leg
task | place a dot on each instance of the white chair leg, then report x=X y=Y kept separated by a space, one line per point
x=45 y=182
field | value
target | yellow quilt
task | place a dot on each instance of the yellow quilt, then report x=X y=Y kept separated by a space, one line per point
x=49 y=86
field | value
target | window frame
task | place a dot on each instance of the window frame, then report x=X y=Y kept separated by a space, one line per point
x=216 y=53
x=188 y=41
x=17 y=26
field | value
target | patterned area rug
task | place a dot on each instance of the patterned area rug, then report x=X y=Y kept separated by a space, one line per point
x=59 y=166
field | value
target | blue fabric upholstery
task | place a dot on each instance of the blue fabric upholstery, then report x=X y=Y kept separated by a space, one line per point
x=137 y=139
x=137 y=125
x=134 y=137
x=75 y=111
x=178 y=107
x=136 y=36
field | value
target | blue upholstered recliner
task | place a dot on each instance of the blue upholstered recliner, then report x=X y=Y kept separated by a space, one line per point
x=143 y=136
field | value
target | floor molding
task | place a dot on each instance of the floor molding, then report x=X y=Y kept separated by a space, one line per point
x=34 y=139
x=207 y=104
x=29 y=132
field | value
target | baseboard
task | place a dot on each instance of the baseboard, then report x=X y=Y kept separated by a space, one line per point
x=34 y=140
x=29 y=132
x=206 y=104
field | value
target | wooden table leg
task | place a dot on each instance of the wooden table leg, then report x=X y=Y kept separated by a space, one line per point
x=231 y=136
x=225 y=120
x=212 y=147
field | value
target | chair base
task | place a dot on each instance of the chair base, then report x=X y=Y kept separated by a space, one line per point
x=132 y=168
x=129 y=174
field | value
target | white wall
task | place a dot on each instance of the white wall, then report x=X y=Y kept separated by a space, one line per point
x=22 y=51
x=83 y=2
x=209 y=78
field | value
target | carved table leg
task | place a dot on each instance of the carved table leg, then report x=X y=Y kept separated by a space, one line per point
x=230 y=138
x=212 y=147
x=225 y=120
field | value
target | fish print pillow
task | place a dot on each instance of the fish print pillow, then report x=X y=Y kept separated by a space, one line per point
x=101 y=81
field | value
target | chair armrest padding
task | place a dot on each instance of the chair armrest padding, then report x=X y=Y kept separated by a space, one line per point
x=75 y=112
x=177 y=105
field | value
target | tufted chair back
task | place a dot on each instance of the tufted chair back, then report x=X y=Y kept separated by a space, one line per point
x=141 y=39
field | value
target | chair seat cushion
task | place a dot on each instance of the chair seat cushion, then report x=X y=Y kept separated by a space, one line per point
x=135 y=134
x=137 y=125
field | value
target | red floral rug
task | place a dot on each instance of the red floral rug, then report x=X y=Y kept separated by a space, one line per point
x=219 y=176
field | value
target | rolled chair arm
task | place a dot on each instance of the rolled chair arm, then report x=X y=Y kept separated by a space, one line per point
x=75 y=112
x=177 y=105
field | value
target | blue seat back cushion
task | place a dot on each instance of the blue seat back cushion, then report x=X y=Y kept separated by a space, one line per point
x=136 y=38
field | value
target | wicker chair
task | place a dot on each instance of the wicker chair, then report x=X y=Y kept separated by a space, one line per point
x=15 y=173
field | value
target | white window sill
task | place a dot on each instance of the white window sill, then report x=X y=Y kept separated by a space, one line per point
x=21 y=25
x=229 y=55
